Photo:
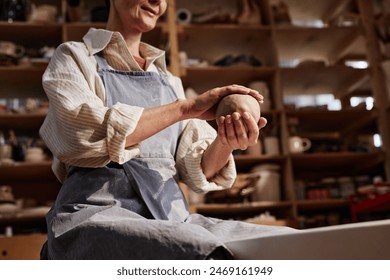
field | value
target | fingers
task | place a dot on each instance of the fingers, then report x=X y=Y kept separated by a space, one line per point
x=262 y=122
x=238 y=89
x=222 y=131
x=239 y=132
x=230 y=132
x=253 y=127
x=226 y=132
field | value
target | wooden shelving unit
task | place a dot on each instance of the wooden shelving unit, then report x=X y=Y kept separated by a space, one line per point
x=296 y=60
x=33 y=183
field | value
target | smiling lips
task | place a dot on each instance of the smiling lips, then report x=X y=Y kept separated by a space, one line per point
x=149 y=9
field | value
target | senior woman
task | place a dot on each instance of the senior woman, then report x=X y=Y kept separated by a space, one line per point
x=122 y=135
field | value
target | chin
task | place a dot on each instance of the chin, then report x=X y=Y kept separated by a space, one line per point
x=147 y=27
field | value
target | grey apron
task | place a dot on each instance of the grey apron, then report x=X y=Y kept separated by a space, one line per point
x=152 y=173
x=136 y=210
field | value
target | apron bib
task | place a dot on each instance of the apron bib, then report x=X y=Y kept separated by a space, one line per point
x=152 y=173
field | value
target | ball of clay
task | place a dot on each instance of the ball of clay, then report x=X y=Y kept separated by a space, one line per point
x=238 y=103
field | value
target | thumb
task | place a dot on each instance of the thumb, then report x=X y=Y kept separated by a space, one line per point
x=262 y=122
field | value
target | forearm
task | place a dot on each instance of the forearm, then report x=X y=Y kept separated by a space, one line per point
x=155 y=119
x=215 y=157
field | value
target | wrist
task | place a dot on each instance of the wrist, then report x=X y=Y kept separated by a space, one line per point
x=186 y=106
x=224 y=148
x=215 y=158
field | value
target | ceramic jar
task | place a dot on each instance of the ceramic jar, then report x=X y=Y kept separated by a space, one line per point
x=268 y=185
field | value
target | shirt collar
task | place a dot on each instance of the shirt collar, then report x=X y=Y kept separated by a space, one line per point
x=97 y=39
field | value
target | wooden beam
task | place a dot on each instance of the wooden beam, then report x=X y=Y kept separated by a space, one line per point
x=342 y=46
x=359 y=123
x=334 y=10
x=378 y=79
x=173 y=41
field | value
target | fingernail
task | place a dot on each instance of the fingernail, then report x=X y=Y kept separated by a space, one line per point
x=228 y=119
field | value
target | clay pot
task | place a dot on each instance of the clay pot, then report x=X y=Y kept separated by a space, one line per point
x=34 y=154
x=238 y=103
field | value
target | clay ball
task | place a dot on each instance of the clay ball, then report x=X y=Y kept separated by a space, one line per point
x=238 y=103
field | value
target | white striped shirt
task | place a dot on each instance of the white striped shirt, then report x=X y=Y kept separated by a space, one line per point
x=81 y=131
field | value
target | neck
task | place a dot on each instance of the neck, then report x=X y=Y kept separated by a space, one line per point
x=131 y=37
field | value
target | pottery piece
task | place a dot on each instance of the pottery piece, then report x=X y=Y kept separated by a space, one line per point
x=238 y=103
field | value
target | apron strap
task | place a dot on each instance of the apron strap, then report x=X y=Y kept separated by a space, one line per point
x=101 y=61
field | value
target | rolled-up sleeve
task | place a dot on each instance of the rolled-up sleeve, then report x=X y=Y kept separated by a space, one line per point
x=121 y=122
x=79 y=129
x=196 y=137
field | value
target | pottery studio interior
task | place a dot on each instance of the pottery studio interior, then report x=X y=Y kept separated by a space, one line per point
x=308 y=150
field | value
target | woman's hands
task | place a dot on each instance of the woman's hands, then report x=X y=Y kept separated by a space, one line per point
x=239 y=131
x=204 y=106
x=234 y=132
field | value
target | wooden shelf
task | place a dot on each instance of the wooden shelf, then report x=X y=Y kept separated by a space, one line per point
x=327 y=44
x=24 y=224
x=192 y=40
x=336 y=122
x=225 y=7
x=20 y=218
x=335 y=164
x=307 y=205
x=337 y=79
x=322 y=10
x=194 y=77
x=229 y=27
x=32 y=181
x=27 y=171
x=32 y=35
x=246 y=162
x=30 y=121
x=30 y=87
x=236 y=208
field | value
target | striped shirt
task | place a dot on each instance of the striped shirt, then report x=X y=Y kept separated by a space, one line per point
x=81 y=131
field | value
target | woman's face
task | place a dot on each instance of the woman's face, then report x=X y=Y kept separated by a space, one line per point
x=139 y=15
